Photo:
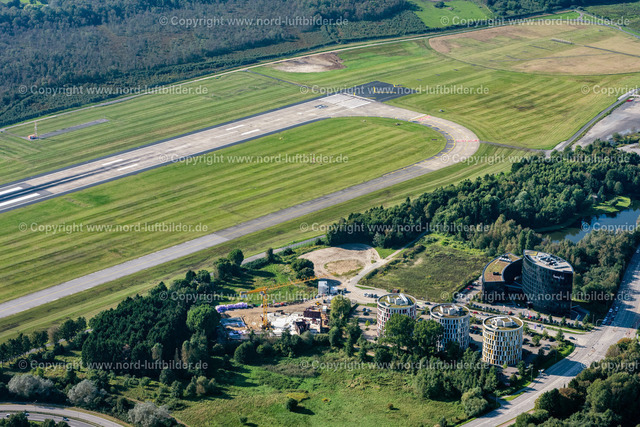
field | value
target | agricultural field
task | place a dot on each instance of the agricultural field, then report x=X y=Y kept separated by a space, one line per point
x=104 y=225
x=433 y=274
x=140 y=121
x=491 y=160
x=453 y=13
x=512 y=107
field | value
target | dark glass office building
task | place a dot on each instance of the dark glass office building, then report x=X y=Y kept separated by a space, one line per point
x=547 y=281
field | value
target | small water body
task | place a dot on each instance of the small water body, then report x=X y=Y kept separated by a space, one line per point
x=624 y=220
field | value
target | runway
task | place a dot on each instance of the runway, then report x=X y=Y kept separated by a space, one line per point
x=46 y=186
x=461 y=143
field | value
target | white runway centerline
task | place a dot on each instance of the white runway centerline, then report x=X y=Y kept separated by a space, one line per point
x=112 y=162
x=235 y=127
x=20 y=199
x=11 y=190
x=127 y=167
x=251 y=131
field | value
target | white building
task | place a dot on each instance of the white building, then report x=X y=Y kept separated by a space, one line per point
x=454 y=319
x=502 y=340
x=394 y=303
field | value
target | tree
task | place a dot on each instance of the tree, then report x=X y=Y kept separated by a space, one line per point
x=30 y=386
x=303 y=268
x=245 y=353
x=535 y=340
x=68 y=330
x=291 y=404
x=203 y=276
x=271 y=258
x=473 y=403
x=340 y=309
x=335 y=336
x=236 y=257
x=223 y=269
x=85 y=393
x=147 y=414
x=39 y=339
x=426 y=335
x=551 y=402
x=167 y=376
x=203 y=318
x=521 y=368
x=382 y=357
x=560 y=336
x=398 y=331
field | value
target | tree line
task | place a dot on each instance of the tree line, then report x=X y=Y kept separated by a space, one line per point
x=120 y=44
x=498 y=214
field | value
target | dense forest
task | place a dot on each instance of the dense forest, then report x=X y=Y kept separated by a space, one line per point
x=498 y=213
x=603 y=395
x=117 y=45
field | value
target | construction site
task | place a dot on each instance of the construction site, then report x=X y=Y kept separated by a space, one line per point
x=238 y=320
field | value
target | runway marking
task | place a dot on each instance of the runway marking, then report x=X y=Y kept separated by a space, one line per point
x=127 y=167
x=251 y=131
x=19 y=199
x=10 y=190
x=112 y=162
x=235 y=127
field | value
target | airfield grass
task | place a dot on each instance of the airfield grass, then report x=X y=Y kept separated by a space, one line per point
x=434 y=274
x=140 y=121
x=516 y=108
x=532 y=47
x=98 y=227
x=454 y=12
x=491 y=159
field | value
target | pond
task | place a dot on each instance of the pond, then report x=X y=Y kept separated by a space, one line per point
x=624 y=220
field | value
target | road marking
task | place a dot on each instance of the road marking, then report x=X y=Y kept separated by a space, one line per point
x=10 y=190
x=235 y=127
x=127 y=167
x=251 y=131
x=112 y=162
x=19 y=199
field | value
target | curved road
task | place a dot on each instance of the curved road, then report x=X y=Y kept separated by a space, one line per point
x=57 y=413
x=589 y=348
x=461 y=143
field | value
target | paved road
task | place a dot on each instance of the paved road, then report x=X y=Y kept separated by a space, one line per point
x=45 y=412
x=461 y=143
x=589 y=348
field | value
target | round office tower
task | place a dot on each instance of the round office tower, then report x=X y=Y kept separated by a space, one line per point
x=502 y=340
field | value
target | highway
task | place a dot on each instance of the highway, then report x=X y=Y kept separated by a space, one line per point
x=461 y=143
x=38 y=412
x=589 y=348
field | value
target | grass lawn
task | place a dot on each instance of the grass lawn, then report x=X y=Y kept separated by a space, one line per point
x=330 y=397
x=89 y=303
x=434 y=274
x=614 y=205
x=455 y=12
x=206 y=196
x=517 y=108
x=140 y=121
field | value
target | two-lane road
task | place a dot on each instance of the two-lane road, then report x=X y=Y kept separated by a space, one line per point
x=590 y=348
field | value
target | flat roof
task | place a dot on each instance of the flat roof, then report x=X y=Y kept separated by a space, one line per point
x=397 y=300
x=503 y=323
x=449 y=310
x=548 y=261
x=497 y=266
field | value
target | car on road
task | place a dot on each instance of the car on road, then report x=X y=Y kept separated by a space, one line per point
x=65 y=419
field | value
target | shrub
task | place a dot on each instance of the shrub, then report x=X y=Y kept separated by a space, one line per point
x=291 y=404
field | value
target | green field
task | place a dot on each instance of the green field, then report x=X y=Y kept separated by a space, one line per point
x=89 y=303
x=216 y=193
x=454 y=13
x=333 y=397
x=140 y=121
x=517 y=108
x=434 y=274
